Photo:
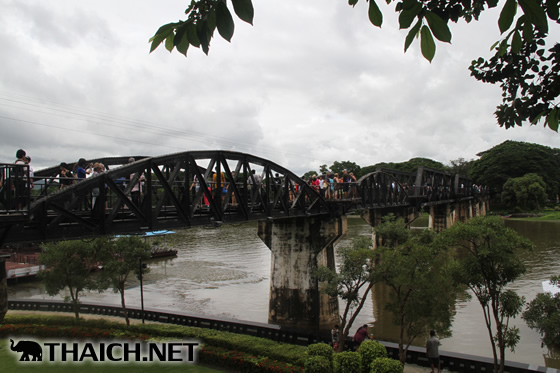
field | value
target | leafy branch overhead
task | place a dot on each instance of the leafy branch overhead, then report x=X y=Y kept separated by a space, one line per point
x=524 y=66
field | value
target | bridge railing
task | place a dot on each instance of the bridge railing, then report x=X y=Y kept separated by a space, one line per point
x=16 y=184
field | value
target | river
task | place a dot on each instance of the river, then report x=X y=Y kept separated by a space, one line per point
x=225 y=272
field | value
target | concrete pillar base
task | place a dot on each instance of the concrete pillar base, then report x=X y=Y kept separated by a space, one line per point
x=298 y=246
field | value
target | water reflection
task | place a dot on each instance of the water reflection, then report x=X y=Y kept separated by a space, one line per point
x=226 y=272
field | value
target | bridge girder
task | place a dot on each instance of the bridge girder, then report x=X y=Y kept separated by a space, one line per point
x=181 y=191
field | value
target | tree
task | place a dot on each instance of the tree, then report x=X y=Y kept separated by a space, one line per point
x=528 y=191
x=512 y=159
x=339 y=167
x=488 y=265
x=309 y=174
x=68 y=265
x=422 y=293
x=460 y=166
x=525 y=69
x=543 y=315
x=122 y=257
x=409 y=166
x=351 y=283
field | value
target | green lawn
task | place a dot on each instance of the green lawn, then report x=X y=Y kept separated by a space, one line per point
x=9 y=363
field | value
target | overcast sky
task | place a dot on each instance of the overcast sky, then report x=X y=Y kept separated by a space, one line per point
x=312 y=82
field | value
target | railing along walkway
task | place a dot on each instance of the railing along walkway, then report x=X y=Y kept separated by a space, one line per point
x=416 y=355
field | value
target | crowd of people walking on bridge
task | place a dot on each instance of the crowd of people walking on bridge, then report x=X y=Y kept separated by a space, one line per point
x=334 y=186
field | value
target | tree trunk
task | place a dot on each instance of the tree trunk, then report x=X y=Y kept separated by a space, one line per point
x=125 y=312
x=75 y=303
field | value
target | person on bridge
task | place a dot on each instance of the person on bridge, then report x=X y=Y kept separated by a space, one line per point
x=66 y=178
x=136 y=191
x=19 y=178
x=254 y=181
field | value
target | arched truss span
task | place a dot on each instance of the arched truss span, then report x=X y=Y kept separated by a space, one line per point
x=180 y=189
x=184 y=189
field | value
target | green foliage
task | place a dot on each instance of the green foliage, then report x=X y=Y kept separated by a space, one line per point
x=386 y=365
x=512 y=159
x=543 y=315
x=121 y=257
x=309 y=174
x=347 y=362
x=320 y=349
x=460 y=166
x=488 y=265
x=422 y=291
x=369 y=351
x=203 y=17
x=409 y=166
x=318 y=364
x=68 y=265
x=528 y=191
x=339 y=167
x=49 y=326
x=352 y=282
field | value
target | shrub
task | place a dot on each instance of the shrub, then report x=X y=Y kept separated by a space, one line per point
x=347 y=362
x=369 y=351
x=320 y=349
x=317 y=364
x=386 y=365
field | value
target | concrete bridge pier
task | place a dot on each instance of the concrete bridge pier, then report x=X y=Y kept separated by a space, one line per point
x=445 y=215
x=374 y=217
x=298 y=247
x=441 y=217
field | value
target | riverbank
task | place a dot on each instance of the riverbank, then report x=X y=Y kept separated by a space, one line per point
x=546 y=215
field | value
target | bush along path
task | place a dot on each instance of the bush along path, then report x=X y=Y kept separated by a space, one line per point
x=234 y=352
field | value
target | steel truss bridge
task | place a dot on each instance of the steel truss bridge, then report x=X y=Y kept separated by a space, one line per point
x=180 y=190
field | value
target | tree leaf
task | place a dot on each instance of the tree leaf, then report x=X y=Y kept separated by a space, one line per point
x=192 y=35
x=203 y=36
x=516 y=43
x=352 y=2
x=161 y=34
x=552 y=119
x=224 y=21
x=408 y=15
x=169 y=42
x=427 y=43
x=244 y=10
x=412 y=34
x=375 y=15
x=536 y=14
x=439 y=27
x=552 y=9
x=502 y=49
x=181 y=40
x=528 y=32
x=507 y=15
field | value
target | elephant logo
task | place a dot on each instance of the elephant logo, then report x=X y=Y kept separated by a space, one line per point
x=29 y=348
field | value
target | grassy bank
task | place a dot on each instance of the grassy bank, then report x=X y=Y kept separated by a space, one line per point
x=550 y=215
